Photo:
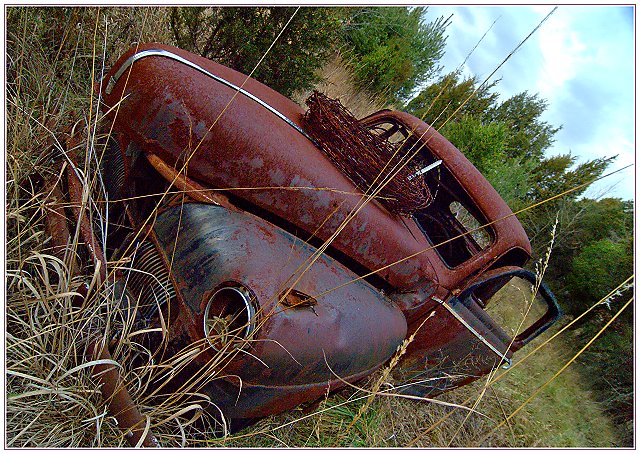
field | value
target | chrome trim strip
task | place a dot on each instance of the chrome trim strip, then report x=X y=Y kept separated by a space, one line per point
x=502 y=356
x=425 y=170
x=164 y=53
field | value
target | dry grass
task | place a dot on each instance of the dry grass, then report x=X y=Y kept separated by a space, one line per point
x=529 y=405
x=337 y=84
x=53 y=56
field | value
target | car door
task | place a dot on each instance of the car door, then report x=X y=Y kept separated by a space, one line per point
x=466 y=330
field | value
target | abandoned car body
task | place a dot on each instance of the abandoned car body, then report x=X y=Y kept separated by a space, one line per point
x=263 y=249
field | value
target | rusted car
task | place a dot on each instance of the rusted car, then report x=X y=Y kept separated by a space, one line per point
x=272 y=269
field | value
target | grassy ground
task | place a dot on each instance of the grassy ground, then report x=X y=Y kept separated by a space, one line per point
x=565 y=413
x=53 y=56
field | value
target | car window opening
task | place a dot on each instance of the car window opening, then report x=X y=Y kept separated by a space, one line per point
x=451 y=222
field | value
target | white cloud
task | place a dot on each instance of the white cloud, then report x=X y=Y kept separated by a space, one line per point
x=563 y=55
x=581 y=60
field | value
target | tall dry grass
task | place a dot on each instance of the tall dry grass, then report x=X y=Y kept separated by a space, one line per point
x=337 y=83
x=53 y=57
x=539 y=402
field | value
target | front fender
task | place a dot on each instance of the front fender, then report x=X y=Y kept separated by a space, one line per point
x=350 y=329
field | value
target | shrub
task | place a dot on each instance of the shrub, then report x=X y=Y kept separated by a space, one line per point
x=239 y=37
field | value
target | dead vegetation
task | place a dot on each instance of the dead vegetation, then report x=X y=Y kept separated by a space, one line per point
x=53 y=58
x=338 y=84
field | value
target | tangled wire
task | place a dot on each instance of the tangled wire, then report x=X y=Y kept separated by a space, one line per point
x=368 y=160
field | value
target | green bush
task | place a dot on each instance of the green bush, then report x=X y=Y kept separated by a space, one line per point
x=392 y=50
x=599 y=268
x=239 y=37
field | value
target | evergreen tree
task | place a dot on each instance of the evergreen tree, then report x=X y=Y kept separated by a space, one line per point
x=529 y=136
x=451 y=99
x=391 y=50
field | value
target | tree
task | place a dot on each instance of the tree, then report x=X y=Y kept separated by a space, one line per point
x=451 y=99
x=485 y=146
x=610 y=218
x=529 y=136
x=582 y=222
x=239 y=37
x=550 y=178
x=391 y=50
x=557 y=174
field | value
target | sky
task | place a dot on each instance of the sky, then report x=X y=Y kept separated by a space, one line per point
x=581 y=60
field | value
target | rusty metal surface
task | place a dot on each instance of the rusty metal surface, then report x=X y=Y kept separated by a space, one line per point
x=118 y=400
x=445 y=354
x=350 y=330
x=297 y=351
x=170 y=110
x=114 y=390
x=80 y=211
x=189 y=187
x=316 y=323
x=55 y=222
x=510 y=232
